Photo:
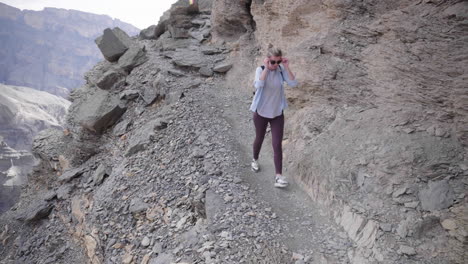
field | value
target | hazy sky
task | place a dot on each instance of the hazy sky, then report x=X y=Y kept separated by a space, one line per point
x=140 y=13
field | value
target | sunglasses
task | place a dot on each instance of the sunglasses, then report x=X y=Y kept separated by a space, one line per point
x=274 y=62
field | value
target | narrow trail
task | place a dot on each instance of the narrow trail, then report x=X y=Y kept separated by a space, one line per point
x=306 y=230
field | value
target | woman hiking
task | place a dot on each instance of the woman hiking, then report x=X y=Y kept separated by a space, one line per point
x=268 y=105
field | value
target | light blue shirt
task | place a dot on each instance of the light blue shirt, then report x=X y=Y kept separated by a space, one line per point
x=269 y=100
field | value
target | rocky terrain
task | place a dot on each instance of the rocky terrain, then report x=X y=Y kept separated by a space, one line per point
x=50 y=50
x=153 y=166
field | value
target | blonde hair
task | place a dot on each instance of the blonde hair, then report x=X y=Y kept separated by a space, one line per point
x=274 y=52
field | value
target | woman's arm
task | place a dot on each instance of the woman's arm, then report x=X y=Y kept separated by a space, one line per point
x=289 y=77
x=259 y=82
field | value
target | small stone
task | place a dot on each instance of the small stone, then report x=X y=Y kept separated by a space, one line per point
x=146 y=259
x=137 y=206
x=205 y=71
x=386 y=227
x=181 y=222
x=127 y=259
x=449 y=224
x=145 y=242
x=129 y=94
x=407 y=250
x=297 y=256
x=412 y=204
x=399 y=192
x=226 y=235
x=438 y=195
x=222 y=67
x=228 y=198
x=157 y=248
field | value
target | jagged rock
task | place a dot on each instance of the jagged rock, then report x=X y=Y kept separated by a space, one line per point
x=148 y=33
x=36 y=211
x=129 y=94
x=113 y=43
x=49 y=196
x=222 y=67
x=438 y=195
x=152 y=32
x=362 y=232
x=206 y=71
x=143 y=136
x=399 y=192
x=64 y=191
x=179 y=25
x=211 y=51
x=138 y=206
x=122 y=127
x=100 y=111
x=71 y=174
x=101 y=172
x=407 y=250
x=425 y=226
x=109 y=79
x=156 y=91
x=187 y=58
x=234 y=20
x=133 y=57
x=175 y=73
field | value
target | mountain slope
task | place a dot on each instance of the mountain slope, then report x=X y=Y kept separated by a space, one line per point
x=49 y=50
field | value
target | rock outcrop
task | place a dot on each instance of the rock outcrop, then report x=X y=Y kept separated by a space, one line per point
x=50 y=50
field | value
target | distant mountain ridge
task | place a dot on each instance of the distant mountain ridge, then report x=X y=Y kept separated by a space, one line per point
x=49 y=50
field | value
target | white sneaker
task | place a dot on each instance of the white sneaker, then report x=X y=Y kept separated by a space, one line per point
x=255 y=166
x=280 y=181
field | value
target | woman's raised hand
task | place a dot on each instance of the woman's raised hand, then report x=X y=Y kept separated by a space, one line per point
x=285 y=62
x=266 y=62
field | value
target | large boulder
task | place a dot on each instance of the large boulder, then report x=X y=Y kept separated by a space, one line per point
x=113 y=43
x=154 y=31
x=99 y=111
x=133 y=57
x=231 y=19
x=111 y=79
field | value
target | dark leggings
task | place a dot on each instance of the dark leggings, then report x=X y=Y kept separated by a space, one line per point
x=277 y=126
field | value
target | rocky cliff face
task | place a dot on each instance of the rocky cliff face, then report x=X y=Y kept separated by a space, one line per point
x=152 y=168
x=377 y=128
x=50 y=50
